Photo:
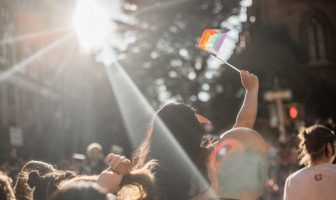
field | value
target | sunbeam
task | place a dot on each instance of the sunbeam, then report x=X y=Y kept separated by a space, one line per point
x=34 y=87
x=19 y=66
x=32 y=35
x=63 y=64
x=43 y=90
x=130 y=101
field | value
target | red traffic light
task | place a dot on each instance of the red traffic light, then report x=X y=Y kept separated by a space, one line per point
x=293 y=111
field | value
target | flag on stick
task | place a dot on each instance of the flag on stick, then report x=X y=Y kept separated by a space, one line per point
x=212 y=40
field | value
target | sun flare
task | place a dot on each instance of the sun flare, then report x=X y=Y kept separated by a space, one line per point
x=92 y=24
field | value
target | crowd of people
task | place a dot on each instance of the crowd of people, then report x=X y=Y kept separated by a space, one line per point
x=178 y=161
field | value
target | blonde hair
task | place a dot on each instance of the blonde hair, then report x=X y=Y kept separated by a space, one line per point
x=6 y=189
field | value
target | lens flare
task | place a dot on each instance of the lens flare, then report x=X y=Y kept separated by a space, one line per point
x=240 y=162
x=92 y=24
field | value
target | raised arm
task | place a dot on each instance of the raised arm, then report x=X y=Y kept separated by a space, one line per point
x=248 y=111
x=111 y=177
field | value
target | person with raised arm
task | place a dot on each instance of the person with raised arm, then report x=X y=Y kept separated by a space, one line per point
x=174 y=178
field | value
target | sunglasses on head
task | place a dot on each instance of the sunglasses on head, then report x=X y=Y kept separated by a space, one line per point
x=203 y=120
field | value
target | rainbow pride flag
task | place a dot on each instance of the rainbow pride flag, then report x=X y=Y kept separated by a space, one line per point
x=212 y=40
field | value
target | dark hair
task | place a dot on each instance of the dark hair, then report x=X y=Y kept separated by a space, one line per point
x=21 y=189
x=6 y=191
x=46 y=185
x=83 y=190
x=313 y=143
x=174 y=179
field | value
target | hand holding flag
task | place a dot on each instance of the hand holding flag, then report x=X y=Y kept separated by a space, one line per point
x=212 y=40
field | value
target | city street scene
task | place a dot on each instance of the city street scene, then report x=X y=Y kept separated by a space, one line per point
x=167 y=99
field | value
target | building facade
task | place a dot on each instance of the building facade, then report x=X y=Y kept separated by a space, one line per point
x=294 y=42
x=52 y=96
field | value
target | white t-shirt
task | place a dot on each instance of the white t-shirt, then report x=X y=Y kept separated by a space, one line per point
x=312 y=183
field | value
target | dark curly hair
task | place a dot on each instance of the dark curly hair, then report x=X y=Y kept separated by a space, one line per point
x=44 y=186
x=21 y=189
x=313 y=143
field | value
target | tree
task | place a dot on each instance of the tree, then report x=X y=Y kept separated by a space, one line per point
x=164 y=61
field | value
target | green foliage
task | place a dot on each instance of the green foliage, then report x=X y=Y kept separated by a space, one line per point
x=164 y=61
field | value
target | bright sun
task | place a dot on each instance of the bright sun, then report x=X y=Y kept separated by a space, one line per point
x=91 y=23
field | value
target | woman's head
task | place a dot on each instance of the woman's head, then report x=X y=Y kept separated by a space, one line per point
x=173 y=175
x=316 y=143
x=22 y=189
x=44 y=186
x=40 y=166
x=183 y=124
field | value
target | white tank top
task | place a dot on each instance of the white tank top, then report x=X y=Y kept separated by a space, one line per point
x=312 y=183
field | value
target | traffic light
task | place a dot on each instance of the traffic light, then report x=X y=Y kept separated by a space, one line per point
x=294 y=111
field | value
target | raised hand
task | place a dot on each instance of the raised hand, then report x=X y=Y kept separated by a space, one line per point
x=118 y=164
x=249 y=80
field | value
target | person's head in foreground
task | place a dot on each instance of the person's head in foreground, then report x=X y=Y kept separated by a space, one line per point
x=317 y=145
x=174 y=177
x=6 y=191
x=83 y=190
x=240 y=162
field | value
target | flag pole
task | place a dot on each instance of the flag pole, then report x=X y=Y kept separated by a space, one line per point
x=221 y=59
x=233 y=67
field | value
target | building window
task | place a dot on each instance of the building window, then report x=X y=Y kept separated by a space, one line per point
x=316 y=38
